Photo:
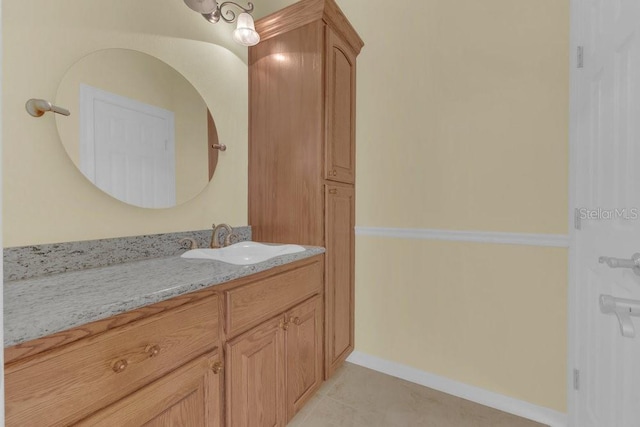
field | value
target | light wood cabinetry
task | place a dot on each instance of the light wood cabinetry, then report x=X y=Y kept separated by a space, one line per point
x=249 y=305
x=255 y=377
x=275 y=368
x=340 y=110
x=260 y=337
x=303 y=353
x=302 y=79
x=340 y=296
x=67 y=384
x=189 y=396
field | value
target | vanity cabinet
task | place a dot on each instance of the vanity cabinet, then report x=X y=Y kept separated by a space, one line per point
x=244 y=353
x=275 y=368
x=66 y=384
x=275 y=365
x=302 y=79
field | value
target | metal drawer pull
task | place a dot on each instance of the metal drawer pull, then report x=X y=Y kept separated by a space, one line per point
x=119 y=365
x=633 y=263
x=624 y=309
x=333 y=191
x=296 y=321
x=152 y=350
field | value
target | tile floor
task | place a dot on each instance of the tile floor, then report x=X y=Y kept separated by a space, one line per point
x=357 y=396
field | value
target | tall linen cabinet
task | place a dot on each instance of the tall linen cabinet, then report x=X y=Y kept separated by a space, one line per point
x=302 y=81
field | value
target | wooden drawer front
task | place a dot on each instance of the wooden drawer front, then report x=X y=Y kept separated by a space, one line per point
x=249 y=305
x=189 y=396
x=65 y=385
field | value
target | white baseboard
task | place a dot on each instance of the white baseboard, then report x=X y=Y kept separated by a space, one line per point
x=544 y=240
x=475 y=394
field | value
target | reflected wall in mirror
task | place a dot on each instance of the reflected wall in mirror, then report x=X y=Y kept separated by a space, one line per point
x=138 y=129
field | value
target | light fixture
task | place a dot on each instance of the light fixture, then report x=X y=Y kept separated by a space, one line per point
x=245 y=33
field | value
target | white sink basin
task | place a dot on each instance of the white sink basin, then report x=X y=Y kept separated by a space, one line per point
x=243 y=253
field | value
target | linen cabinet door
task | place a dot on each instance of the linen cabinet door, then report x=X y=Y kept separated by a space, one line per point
x=340 y=105
x=339 y=276
x=304 y=353
x=255 y=377
x=189 y=396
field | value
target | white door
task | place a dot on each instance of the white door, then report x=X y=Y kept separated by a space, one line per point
x=606 y=142
x=127 y=148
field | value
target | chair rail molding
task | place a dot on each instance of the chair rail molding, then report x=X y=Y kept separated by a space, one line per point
x=493 y=237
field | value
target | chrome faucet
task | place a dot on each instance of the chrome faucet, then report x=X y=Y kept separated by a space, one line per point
x=215 y=242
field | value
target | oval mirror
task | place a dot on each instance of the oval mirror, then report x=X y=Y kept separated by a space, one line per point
x=138 y=129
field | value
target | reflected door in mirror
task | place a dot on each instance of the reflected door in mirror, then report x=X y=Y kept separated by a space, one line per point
x=135 y=178
x=127 y=148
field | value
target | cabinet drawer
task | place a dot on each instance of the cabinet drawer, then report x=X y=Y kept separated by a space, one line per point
x=188 y=396
x=249 y=305
x=66 y=384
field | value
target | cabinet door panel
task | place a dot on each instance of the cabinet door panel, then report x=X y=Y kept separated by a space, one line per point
x=304 y=353
x=339 y=290
x=255 y=377
x=340 y=111
x=189 y=396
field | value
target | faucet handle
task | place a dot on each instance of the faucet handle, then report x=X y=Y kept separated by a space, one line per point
x=231 y=236
x=192 y=243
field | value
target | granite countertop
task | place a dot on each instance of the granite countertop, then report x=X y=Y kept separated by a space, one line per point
x=41 y=306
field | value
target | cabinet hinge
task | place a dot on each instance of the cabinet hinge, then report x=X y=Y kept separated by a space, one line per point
x=580 y=56
x=576 y=379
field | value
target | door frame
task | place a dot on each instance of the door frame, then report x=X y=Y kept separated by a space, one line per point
x=576 y=39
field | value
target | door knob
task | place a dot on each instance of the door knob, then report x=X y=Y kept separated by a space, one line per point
x=633 y=263
x=152 y=350
x=217 y=367
x=119 y=365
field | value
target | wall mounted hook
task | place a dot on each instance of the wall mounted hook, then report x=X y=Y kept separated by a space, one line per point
x=37 y=107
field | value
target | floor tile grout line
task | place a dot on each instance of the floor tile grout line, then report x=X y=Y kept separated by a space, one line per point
x=313 y=408
x=354 y=407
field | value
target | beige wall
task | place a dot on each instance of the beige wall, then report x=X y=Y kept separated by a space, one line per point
x=46 y=199
x=462 y=124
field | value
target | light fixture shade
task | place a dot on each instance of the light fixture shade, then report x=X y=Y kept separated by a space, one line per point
x=246 y=33
x=202 y=6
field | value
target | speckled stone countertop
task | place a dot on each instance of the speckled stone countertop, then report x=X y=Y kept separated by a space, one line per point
x=40 y=306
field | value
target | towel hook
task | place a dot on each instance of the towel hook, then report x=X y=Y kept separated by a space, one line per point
x=37 y=107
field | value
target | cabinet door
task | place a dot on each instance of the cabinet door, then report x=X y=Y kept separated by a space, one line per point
x=304 y=353
x=255 y=377
x=339 y=281
x=189 y=396
x=340 y=105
